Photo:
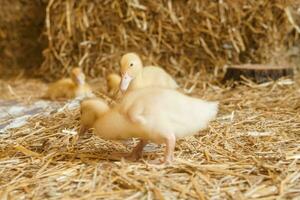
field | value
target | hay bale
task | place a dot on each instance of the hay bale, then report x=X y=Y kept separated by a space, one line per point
x=182 y=36
x=21 y=24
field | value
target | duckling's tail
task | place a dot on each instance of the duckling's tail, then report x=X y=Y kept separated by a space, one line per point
x=208 y=111
x=214 y=107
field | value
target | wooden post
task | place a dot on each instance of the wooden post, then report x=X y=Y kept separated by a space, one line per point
x=259 y=73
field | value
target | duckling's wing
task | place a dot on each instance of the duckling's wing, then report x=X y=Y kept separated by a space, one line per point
x=129 y=100
x=168 y=110
x=136 y=114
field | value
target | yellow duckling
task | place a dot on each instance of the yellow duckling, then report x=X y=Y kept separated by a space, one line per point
x=90 y=110
x=69 y=88
x=159 y=115
x=108 y=123
x=113 y=83
x=135 y=76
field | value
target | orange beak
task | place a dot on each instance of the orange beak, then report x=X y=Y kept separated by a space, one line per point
x=125 y=81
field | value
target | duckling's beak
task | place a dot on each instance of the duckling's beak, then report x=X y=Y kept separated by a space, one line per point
x=126 y=79
x=80 y=80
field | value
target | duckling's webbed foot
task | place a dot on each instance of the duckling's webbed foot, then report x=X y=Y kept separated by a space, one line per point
x=137 y=151
x=82 y=130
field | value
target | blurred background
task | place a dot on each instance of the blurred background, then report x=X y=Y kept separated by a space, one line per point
x=47 y=38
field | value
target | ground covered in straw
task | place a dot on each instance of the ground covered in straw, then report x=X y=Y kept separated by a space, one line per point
x=251 y=151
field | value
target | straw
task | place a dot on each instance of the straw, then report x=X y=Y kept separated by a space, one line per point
x=251 y=151
x=179 y=36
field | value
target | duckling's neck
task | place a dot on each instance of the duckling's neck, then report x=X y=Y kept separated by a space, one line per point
x=137 y=80
x=140 y=69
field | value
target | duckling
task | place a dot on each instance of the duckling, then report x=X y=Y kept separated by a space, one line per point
x=155 y=114
x=90 y=110
x=108 y=123
x=167 y=115
x=113 y=83
x=135 y=76
x=68 y=88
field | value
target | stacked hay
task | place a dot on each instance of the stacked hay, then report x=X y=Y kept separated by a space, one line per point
x=21 y=25
x=183 y=36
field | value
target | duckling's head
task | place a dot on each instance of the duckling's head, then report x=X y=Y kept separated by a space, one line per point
x=131 y=66
x=78 y=76
x=113 y=81
x=90 y=110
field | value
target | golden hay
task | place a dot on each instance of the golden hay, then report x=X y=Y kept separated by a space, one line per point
x=182 y=36
x=251 y=151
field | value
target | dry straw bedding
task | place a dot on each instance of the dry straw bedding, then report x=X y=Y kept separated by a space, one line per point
x=182 y=36
x=251 y=151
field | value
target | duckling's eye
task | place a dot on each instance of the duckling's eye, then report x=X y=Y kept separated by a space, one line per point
x=131 y=64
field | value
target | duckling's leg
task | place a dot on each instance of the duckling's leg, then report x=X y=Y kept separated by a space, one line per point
x=82 y=130
x=137 y=150
x=170 y=146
